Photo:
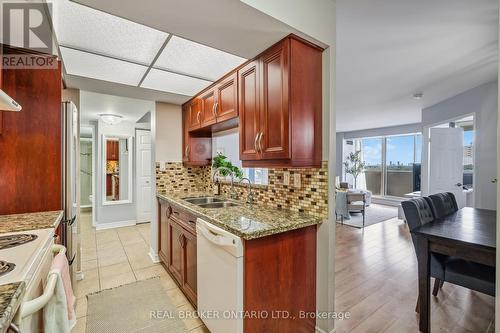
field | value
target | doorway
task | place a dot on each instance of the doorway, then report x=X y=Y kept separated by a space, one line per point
x=143 y=175
x=452 y=159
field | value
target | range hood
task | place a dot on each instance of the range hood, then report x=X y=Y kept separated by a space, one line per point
x=7 y=103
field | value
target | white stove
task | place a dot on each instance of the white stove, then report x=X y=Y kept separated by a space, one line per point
x=21 y=252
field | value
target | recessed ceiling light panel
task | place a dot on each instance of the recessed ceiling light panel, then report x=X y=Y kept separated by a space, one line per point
x=174 y=83
x=101 y=68
x=183 y=56
x=85 y=28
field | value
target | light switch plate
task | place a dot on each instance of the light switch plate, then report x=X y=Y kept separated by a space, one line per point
x=163 y=166
x=296 y=180
x=286 y=178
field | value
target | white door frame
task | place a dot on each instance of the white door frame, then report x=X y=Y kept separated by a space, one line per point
x=137 y=180
x=427 y=158
x=93 y=129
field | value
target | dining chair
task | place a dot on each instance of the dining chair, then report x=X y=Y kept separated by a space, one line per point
x=356 y=202
x=418 y=211
x=443 y=204
x=464 y=273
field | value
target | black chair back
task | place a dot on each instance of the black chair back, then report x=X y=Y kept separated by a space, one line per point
x=443 y=204
x=418 y=211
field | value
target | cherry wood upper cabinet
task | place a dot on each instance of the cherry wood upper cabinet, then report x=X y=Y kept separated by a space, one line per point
x=287 y=110
x=196 y=148
x=248 y=105
x=215 y=105
x=208 y=100
x=226 y=106
x=194 y=113
x=274 y=139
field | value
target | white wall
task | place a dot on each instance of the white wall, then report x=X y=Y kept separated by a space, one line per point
x=227 y=142
x=482 y=101
x=168 y=132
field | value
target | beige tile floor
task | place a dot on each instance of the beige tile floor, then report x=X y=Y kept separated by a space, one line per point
x=114 y=257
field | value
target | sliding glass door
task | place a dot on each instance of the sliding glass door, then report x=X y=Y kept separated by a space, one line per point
x=392 y=164
x=371 y=154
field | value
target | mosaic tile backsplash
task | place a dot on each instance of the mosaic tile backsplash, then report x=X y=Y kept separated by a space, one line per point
x=179 y=178
x=311 y=198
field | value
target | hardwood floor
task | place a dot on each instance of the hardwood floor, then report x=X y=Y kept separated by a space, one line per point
x=376 y=282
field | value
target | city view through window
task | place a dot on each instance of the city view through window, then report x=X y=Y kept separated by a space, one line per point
x=392 y=163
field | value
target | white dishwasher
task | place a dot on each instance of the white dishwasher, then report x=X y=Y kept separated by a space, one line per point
x=220 y=278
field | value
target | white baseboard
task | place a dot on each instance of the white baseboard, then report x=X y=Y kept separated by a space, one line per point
x=154 y=256
x=119 y=224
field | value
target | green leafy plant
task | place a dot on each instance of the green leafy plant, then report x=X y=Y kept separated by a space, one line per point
x=354 y=166
x=222 y=161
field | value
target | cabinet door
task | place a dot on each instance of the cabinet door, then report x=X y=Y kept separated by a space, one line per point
x=199 y=151
x=248 y=106
x=163 y=218
x=185 y=133
x=226 y=106
x=189 y=269
x=208 y=108
x=274 y=140
x=194 y=114
x=175 y=250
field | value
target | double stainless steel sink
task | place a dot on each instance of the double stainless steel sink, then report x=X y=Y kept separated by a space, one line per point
x=210 y=202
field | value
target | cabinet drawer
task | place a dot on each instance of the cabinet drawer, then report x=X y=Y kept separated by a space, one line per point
x=187 y=220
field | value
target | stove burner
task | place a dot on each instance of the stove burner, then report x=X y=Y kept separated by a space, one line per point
x=15 y=240
x=6 y=267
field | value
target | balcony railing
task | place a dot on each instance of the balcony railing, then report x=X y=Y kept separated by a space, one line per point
x=398 y=182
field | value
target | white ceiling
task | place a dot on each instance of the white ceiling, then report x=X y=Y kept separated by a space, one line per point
x=389 y=49
x=93 y=104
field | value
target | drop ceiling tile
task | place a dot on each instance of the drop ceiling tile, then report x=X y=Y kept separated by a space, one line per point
x=174 y=83
x=184 y=56
x=101 y=68
x=85 y=28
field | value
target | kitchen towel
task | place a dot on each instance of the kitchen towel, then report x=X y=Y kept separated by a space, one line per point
x=59 y=313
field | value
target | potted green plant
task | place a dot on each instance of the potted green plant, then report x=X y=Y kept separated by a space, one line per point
x=354 y=165
x=222 y=161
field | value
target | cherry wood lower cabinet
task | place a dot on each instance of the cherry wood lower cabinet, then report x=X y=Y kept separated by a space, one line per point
x=177 y=247
x=279 y=272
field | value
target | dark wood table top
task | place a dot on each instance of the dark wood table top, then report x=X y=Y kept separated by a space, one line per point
x=468 y=225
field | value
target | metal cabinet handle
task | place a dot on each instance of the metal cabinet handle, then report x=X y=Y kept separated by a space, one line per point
x=186 y=151
x=494 y=180
x=255 y=142
x=198 y=116
x=213 y=110
x=216 y=107
x=260 y=141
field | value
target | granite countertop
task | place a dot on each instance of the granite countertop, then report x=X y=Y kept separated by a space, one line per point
x=246 y=221
x=30 y=221
x=10 y=298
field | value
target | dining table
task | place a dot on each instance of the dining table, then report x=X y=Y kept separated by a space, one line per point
x=469 y=233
